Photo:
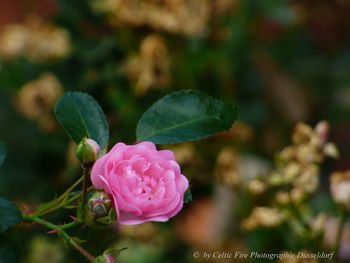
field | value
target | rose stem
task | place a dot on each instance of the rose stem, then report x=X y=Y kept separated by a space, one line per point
x=86 y=174
x=62 y=233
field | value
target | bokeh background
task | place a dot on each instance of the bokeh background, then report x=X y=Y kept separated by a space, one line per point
x=280 y=61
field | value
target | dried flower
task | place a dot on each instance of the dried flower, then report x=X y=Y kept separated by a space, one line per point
x=151 y=68
x=186 y=17
x=36 y=99
x=47 y=42
x=226 y=167
x=302 y=133
x=257 y=187
x=283 y=197
x=263 y=217
x=13 y=39
x=308 y=179
x=35 y=40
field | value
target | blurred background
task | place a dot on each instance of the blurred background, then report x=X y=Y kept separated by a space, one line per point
x=281 y=61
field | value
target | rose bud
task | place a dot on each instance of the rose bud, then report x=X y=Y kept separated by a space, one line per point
x=87 y=151
x=105 y=259
x=145 y=184
x=100 y=210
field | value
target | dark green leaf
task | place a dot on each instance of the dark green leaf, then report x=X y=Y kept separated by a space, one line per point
x=8 y=250
x=81 y=116
x=185 y=116
x=188 y=197
x=9 y=214
x=2 y=153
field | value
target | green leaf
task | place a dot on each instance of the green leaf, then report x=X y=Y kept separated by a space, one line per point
x=185 y=116
x=188 y=197
x=8 y=250
x=9 y=214
x=81 y=116
x=2 y=153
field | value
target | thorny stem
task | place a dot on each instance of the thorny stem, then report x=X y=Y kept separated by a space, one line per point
x=61 y=232
x=86 y=174
x=60 y=199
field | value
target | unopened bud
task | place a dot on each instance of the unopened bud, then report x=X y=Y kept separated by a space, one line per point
x=100 y=210
x=87 y=151
x=104 y=259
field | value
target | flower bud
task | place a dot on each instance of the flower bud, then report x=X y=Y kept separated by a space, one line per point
x=104 y=259
x=87 y=151
x=100 y=210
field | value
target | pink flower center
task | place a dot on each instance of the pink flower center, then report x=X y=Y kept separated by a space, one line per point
x=145 y=182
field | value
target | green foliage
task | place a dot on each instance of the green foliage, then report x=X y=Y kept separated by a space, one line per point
x=8 y=250
x=185 y=116
x=9 y=214
x=2 y=153
x=188 y=197
x=81 y=116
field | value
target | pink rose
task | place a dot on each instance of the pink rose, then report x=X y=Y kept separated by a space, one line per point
x=146 y=184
